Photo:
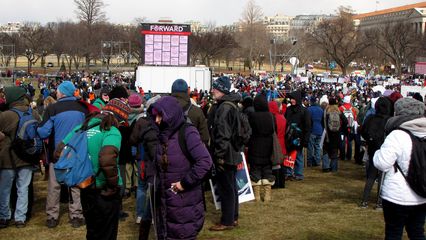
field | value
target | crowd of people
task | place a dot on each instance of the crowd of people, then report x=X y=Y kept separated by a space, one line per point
x=164 y=148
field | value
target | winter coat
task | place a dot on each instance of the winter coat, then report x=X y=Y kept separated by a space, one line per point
x=317 y=115
x=299 y=115
x=195 y=114
x=223 y=123
x=99 y=103
x=373 y=130
x=261 y=123
x=181 y=215
x=280 y=124
x=9 y=121
x=146 y=134
x=397 y=148
x=61 y=117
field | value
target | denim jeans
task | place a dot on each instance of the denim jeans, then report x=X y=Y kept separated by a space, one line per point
x=143 y=205
x=398 y=216
x=314 y=150
x=346 y=147
x=23 y=178
x=298 y=166
x=325 y=160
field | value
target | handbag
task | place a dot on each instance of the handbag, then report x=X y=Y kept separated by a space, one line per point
x=277 y=153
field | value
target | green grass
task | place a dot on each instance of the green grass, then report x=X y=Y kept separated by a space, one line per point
x=323 y=206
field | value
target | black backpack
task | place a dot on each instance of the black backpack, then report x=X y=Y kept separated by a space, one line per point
x=241 y=137
x=416 y=176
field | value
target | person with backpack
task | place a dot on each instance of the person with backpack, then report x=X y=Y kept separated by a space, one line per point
x=350 y=114
x=402 y=159
x=297 y=133
x=101 y=200
x=335 y=125
x=12 y=166
x=223 y=126
x=58 y=120
x=145 y=136
x=194 y=113
x=373 y=131
x=179 y=207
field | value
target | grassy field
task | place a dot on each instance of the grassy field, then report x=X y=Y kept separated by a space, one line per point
x=323 y=206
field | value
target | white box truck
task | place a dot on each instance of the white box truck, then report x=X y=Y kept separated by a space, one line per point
x=159 y=79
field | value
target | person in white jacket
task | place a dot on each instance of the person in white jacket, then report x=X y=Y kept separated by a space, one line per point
x=402 y=207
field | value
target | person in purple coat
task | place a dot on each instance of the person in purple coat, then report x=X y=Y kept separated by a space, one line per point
x=179 y=207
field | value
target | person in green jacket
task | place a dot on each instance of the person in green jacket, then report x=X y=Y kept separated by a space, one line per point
x=103 y=98
x=101 y=201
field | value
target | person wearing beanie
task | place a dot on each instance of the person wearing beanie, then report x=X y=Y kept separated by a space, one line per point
x=144 y=135
x=402 y=207
x=13 y=167
x=226 y=157
x=102 y=204
x=121 y=110
x=65 y=89
x=191 y=111
x=222 y=84
x=103 y=98
x=58 y=120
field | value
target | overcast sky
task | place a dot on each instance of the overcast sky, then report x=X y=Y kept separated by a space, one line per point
x=220 y=12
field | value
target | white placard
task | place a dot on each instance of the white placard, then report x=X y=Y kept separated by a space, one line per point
x=245 y=190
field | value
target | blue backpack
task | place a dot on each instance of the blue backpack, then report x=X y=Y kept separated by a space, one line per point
x=27 y=144
x=74 y=167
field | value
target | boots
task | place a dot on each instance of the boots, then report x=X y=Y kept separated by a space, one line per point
x=144 y=229
x=256 y=190
x=266 y=186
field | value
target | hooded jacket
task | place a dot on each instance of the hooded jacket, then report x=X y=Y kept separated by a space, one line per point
x=373 y=130
x=280 y=123
x=397 y=148
x=181 y=215
x=222 y=124
x=195 y=114
x=299 y=115
x=262 y=125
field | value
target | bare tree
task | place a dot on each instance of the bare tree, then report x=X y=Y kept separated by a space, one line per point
x=34 y=42
x=211 y=45
x=90 y=13
x=397 y=41
x=339 y=39
x=253 y=39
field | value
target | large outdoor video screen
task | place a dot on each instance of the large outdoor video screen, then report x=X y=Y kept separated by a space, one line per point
x=165 y=44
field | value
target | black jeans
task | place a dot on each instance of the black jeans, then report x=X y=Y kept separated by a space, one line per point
x=101 y=214
x=372 y=174
x=228 y=193
x=397 y=217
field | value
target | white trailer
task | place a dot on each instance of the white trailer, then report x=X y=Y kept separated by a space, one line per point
x=159 y=79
